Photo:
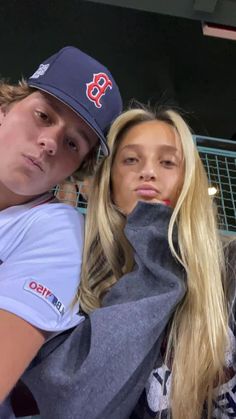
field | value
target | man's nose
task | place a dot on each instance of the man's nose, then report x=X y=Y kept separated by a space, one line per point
x=48 y=141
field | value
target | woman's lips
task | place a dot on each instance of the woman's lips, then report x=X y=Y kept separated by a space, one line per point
x=149 y=193
x=144 y=191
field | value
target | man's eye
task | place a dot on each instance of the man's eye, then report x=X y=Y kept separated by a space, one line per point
x=72 y=144
x=42 y=115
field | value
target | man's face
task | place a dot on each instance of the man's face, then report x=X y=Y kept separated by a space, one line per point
x=42 y=142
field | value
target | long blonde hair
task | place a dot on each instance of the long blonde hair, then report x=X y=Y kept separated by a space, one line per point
x=197 y=338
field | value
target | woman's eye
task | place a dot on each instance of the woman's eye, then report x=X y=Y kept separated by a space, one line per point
x=130 y=160
x=168 y=163
x=72 y=145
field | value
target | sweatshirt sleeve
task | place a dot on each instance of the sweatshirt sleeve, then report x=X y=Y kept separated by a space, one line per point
x=100 y=369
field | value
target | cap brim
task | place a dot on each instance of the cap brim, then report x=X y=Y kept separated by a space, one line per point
x=77 y=108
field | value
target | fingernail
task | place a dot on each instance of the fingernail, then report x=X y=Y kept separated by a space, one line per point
x=166 y=201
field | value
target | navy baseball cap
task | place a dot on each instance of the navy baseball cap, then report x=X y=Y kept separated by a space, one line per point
x=83 y=84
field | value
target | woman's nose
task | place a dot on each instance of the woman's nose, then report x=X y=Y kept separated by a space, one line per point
x=148 y=172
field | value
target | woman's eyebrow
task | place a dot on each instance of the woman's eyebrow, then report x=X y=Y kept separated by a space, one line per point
x=162 y=147
x=131 y=146
x=168 y=148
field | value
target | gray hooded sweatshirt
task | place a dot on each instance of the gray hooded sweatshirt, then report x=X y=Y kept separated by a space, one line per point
x=98 y=370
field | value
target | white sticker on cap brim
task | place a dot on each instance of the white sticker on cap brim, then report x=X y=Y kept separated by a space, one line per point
x=40 y=71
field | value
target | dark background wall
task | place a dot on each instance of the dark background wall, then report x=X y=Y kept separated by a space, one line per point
x=152 y=56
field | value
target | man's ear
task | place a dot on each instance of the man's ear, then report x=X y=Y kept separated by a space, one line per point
x=2 y=113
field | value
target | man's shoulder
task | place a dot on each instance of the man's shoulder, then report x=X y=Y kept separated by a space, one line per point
x=50 y=222
x=56 y=218
x=57 y=208
x=29 y=212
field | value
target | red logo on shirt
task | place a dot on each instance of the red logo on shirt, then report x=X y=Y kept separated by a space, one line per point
x=40 y=289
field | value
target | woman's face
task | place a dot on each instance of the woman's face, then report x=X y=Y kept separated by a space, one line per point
x=148 y=166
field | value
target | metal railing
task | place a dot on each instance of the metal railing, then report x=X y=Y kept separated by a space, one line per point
x=219 y=159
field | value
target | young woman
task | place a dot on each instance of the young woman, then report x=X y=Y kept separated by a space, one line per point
x=153 y=158
x=157 y=269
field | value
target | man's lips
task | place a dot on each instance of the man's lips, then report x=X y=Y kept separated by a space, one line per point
x=34 y=161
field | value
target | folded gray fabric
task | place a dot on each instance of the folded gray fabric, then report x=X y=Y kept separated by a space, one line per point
x=100 y=369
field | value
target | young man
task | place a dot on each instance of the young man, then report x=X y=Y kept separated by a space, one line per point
x=49 y=127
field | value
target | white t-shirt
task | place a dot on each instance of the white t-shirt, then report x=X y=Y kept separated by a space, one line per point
x=41 y=246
